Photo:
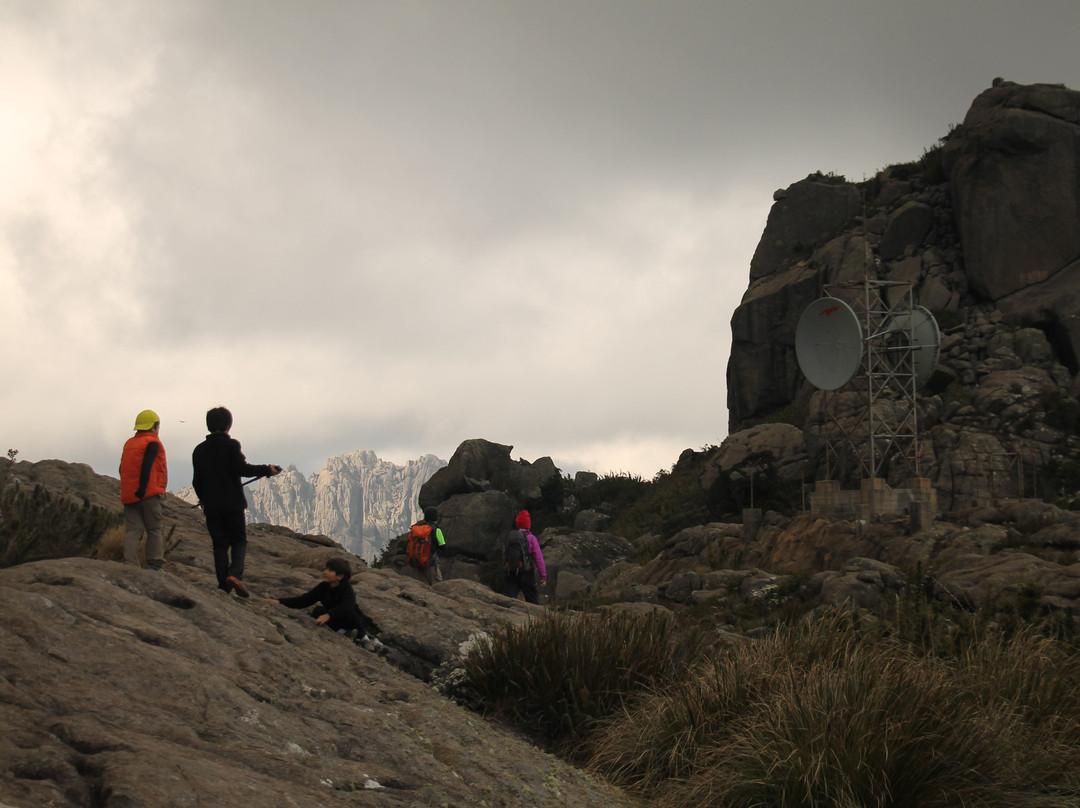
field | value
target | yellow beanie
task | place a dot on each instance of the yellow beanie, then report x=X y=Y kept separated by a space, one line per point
x=146 y=420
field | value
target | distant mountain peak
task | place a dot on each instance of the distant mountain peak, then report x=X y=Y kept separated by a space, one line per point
x=357 y=499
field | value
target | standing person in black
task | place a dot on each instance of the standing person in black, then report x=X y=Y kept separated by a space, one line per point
x=218 y=464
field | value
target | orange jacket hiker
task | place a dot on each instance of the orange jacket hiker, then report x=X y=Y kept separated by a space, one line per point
x=136 y=476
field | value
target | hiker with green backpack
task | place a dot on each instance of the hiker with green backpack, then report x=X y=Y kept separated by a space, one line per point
x=422 y=549
x=522 y=561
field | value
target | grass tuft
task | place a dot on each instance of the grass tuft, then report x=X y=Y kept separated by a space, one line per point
x=557 y=674
x=818 y=714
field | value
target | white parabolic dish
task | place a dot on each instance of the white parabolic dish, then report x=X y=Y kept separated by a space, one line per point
x=828 y=343
x=925 y=341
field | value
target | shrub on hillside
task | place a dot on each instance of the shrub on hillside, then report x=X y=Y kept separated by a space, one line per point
x=36 y=525
x=817 y=714
x=754 y=482
x=556 y=674
x=663 y=506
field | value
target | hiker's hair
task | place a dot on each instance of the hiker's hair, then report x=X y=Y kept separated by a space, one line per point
x=339 y=566
x=218 y=419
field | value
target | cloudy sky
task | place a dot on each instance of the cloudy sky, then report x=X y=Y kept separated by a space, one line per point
x=397 y=225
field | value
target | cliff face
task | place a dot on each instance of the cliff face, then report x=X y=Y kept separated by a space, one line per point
x=357 y=499
x=985 y=230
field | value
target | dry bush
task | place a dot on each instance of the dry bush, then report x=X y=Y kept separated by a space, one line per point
x=556 y=674
x=818 y=715
x=111 y=546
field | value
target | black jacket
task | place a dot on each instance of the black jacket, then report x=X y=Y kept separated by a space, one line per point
x=217 y=465
x=337 y=601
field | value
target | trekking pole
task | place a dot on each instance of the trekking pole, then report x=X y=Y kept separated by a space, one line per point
x=260 y=476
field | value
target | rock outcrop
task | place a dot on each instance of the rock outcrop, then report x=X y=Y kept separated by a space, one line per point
x=985 y=232
x=1014 y=170
x=478 y=495
x=1030 y=553
x=121 y=686
x=479 y=465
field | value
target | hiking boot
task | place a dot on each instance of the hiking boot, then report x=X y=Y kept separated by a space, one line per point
x=372 y=644
x=238 y=586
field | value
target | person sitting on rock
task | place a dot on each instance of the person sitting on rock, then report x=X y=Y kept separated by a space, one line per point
x=337 y=608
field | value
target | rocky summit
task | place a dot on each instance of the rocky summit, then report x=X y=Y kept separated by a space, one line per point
x=984 y=231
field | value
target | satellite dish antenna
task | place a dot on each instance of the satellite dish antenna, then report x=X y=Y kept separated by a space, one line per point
x=922 y=329
x=829 y=343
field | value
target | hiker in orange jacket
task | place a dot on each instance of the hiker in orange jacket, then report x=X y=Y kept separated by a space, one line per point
x=143 y=479
x=430 y=573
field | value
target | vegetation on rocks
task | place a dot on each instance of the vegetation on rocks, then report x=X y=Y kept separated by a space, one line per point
x=670 y=501
x=35 y=524
x=826 y=712
x=555 y=675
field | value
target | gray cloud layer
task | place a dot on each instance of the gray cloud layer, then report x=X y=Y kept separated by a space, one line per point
x=395 y=226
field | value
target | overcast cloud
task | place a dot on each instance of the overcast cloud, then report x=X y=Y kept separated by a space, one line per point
x=399 y=225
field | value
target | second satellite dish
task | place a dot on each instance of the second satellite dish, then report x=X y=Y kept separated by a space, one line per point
x=828 y=343
x=924 y=337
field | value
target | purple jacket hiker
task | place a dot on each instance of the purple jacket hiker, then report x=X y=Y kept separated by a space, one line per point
x=525 y=582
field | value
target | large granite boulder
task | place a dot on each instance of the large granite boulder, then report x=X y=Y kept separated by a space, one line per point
x=906 y=227
x=1014 y=168
x=784 y=442
x=976 y=579
x=803 y=215
x=763 y=372
x=575 y=560
x=862 y=582
x=480 y=465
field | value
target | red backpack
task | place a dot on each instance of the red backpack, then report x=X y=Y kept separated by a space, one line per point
x=418 y=550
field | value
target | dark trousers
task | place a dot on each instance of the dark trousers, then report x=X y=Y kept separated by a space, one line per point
x=524 y=582
x=228 y=534
x=355 y=619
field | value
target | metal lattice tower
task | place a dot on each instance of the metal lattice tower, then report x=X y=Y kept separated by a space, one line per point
x=885 y=432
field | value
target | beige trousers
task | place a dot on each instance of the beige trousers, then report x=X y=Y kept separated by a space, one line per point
x=429 y=575
x=140 y=516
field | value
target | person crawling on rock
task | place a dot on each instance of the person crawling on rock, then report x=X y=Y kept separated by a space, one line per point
x=337 y=608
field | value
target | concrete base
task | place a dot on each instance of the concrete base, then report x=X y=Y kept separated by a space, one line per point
x=874 y=498
x=751 y=522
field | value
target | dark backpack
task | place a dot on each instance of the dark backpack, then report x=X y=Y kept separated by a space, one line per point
x=516 y=558
x=419 y=549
